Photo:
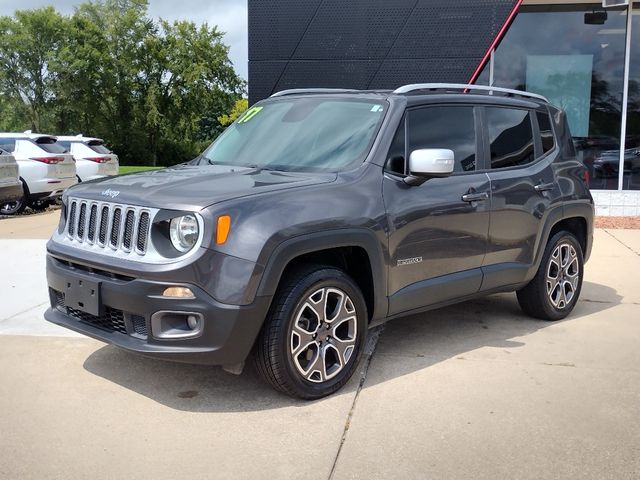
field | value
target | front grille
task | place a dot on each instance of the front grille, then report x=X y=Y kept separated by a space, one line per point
x=143 y=232
x=115 y=227
x=123 y=228
x=128 y=230
x=91 y=234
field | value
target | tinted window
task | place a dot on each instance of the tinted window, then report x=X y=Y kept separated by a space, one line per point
x=546 y=133
x=8 y=144
x=50 y=145
x=98 y=147
x=65 y=144
x=395 y=159
x=510 y=137
x=452 y=128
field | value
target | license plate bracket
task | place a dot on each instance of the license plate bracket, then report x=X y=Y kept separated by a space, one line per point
x=84 y=295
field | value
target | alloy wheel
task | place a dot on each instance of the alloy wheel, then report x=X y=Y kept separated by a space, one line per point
x=324 y=334
x=563 y=275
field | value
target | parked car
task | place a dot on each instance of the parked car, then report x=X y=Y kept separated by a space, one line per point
x=93 y=158
x=319 y=214
x=45 y=167
x=607 y=163
x=10 y=184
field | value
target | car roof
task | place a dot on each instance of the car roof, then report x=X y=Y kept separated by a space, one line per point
x=417 y=93
x=26 y=135
x=79 y=138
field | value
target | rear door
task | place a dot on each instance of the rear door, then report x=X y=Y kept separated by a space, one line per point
x=520 y=149
x=438 y=235
x=109 y=163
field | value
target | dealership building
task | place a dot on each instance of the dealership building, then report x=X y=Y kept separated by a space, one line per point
x=583 y=56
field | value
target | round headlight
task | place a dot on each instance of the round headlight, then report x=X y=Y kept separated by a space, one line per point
x=184 y=232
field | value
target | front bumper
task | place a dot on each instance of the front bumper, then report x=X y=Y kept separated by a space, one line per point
x=128 y=304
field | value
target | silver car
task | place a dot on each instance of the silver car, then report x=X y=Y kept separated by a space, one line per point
x=10 y=184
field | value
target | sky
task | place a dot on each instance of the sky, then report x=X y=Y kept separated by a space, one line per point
x=229 y=15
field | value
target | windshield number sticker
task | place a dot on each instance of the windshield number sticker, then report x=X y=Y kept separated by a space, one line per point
x=252 y=112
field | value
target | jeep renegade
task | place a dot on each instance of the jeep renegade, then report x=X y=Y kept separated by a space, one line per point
x=319 y=214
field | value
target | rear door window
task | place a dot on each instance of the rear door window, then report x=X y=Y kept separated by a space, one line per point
x=510 y=137
x=449 y=127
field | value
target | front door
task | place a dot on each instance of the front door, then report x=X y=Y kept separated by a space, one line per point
x=438 y=230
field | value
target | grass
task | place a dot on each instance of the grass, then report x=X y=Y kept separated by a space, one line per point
x=136 y=169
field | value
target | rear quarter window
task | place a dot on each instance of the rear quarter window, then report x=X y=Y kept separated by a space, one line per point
x=510 y=137
x=546 y=132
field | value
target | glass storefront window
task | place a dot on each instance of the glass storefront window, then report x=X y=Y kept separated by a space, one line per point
x=631 y=178
x=574 y=55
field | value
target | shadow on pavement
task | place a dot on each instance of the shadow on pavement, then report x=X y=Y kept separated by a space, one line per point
x=439 y=335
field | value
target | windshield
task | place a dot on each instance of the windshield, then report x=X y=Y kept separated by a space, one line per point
x=309 y=134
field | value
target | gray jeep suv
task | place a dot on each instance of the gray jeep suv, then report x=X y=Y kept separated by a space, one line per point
x=319 y=214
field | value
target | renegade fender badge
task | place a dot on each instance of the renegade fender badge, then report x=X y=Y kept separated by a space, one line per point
x=409 y=261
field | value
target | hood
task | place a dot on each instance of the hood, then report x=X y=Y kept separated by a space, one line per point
x=189 y=187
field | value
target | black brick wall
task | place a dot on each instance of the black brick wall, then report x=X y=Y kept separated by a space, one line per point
x=367 y=43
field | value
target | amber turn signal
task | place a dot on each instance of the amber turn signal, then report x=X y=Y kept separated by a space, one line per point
x=224 y=226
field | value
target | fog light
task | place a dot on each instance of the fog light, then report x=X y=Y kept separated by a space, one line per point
x=192 y=322
x=178 y=292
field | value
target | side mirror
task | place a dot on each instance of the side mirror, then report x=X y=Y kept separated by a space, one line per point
x=429 y=163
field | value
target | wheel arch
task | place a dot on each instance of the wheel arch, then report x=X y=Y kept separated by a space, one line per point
x=576 y=218
x=356 y=251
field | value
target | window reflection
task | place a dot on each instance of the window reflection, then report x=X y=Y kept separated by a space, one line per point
x=578 y=63
x=631 y=179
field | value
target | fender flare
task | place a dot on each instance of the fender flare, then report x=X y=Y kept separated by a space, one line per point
x=555 y=216
x=294 y=247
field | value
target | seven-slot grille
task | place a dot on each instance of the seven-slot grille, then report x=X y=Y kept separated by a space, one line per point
x=112 y=226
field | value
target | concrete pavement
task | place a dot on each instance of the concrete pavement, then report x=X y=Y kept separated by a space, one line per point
x=476 y=390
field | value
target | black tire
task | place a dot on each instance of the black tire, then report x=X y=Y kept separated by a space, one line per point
x=275 y=357
x=555 y=299
x=39 y=206
x=15 y=207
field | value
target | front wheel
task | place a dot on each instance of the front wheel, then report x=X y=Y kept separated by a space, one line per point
x=15 y=207
x=554 y=291
x=313 y=337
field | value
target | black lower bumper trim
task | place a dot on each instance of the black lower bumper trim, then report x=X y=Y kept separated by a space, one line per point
x=227 y=336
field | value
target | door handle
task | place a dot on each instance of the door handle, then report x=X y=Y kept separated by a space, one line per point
x=544 y=187
x=475 y=197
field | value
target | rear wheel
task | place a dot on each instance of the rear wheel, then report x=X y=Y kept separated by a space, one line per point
x=40 y=205
x=312 y=339
x=15 y=207
x=554 y=291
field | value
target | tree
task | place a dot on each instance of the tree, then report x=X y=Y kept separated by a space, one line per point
x=238 y=109
x=28 y=43
x=153 y=90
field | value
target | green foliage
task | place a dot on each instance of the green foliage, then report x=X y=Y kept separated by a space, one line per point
x=122 y=170
x=238 y=109
x=155 y=91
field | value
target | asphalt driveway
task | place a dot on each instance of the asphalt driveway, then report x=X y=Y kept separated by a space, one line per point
x=476 y=390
